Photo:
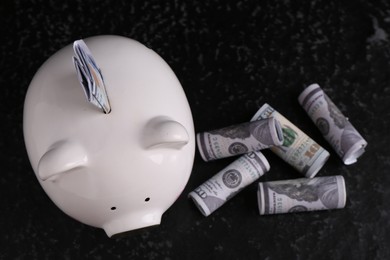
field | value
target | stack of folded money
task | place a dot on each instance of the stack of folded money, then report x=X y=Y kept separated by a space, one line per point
x=268 y=129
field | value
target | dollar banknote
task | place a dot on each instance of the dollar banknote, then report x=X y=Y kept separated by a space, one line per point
x=212 y=194
x=297 y=149
x=334 y=126
x=320 y=193
x=239 y=139
x=90 y=76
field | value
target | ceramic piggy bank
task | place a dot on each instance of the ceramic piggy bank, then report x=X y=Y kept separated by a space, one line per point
x=120 y=170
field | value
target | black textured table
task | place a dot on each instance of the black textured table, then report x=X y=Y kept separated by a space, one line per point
x=230 y=58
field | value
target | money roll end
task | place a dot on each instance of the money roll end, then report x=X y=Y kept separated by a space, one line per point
x=265 y=166
x=258 y=116
x=199 y=203
x=202 y=147
x=276 y=129
x=355 y=152
x=318 y=164
x=343 y=191
x=260 y=199
x=306 y=93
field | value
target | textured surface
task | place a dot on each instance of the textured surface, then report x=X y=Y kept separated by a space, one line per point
x=230 y=57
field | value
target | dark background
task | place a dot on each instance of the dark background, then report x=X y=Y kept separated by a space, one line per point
x=231 y=57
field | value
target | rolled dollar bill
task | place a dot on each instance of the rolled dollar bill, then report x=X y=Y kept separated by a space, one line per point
x=298 y=149
x=239 y=139
x=334 y=126
x=227 y=183
x=320 y=193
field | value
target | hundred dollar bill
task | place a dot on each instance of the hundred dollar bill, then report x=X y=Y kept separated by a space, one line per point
x=334 y=126
x=298 y=149
x=90 y=76
x=227 y=183
x=239 y=139
x=320 y=193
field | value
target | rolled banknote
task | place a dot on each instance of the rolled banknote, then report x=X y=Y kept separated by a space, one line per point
x=334 y=126
x=320 y=193
x=299 y=150
x=227 y=183
x=239 y=139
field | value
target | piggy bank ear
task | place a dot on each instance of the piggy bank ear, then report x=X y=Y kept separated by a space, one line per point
x=164 y=132
x=61 y=158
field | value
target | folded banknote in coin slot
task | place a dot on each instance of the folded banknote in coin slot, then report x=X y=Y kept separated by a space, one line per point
x=90 y=76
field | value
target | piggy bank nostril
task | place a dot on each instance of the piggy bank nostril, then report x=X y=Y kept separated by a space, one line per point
x=147 y=199
x=113 y=208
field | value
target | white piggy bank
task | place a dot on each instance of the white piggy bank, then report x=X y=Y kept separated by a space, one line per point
x=119 y=171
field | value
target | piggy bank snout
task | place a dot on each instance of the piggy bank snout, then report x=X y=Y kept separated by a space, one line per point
x=164 y=132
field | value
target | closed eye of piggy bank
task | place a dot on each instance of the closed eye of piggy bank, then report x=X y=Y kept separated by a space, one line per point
x=118 y=171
